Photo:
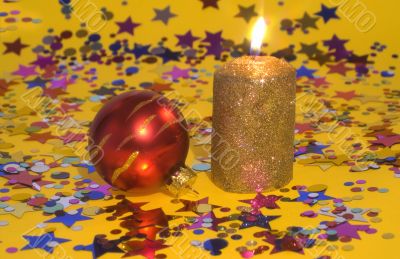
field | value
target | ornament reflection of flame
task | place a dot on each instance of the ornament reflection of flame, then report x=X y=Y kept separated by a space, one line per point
x=143 y=131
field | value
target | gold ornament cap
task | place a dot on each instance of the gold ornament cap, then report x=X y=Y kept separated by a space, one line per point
x=181 y=181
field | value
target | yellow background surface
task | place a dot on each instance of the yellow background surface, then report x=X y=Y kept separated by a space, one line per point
x=191 y=17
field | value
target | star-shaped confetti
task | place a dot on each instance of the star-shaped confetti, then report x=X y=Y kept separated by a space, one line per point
x=4 y=85
x=349 y=230
x=339 y=68
x=210 y=3
x=48 y=241
x=311 y=198
x=43 y=61
x=101 y=246
x=38 y=81
x=150 y=232
x=247 y=12
x=25 y=71
x=325 y=163
x=306 y=72
x=186 y=40
x=318 y=82
x=69 y=218
x=14 y=47
x=322 y=58
x=163 y=15
x=127 y=26
x=303 y=127
x=17 y=209
x=41 y=137
x=199 y=207
x=154 y=217
x=125 y=206
x=289 y=242
x=177 y=73
x=24 y=178
x=327 y=13
x=262 y=201
x=169 y=55
x=146 y=248
x=335 y=43
x=316 y=148
x=346 y=95
x=259 y=220
x=345 y=213
x=311 y=50
x=54 y=93
x=140 y=50
x=308 y=22
x=386 y=141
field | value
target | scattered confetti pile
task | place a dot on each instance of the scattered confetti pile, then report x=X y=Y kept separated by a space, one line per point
x=62 y=60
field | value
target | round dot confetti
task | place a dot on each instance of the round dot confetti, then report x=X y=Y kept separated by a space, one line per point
x=201 y=167
x=375 y=219
x=198 y=231
x=236 y=237
x=247 y=254
x=76 y=228
x=11 y=250
x=387 y=235
x=383 y=190
x=251 y=243
x=317 y=188
x=347 y=248
x=3 y=223
x=215 y=245
x=196 y=243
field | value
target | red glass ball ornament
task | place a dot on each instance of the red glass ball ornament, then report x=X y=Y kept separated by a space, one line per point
x=137 y=140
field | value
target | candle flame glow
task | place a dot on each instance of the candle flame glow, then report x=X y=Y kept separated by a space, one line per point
x=257 y=36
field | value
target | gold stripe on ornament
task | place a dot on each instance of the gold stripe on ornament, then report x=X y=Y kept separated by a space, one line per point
x=164 y=127
x=101 y=144
x=140 y=105
x=125 y=166
x=123 y=142
x=167 y=124
x=148 y=120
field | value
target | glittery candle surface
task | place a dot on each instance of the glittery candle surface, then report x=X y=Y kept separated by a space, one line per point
x=253 y=122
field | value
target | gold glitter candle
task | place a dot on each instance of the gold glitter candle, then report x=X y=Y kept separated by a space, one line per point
x=253 y=121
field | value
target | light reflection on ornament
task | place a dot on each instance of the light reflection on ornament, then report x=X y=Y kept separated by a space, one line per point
x=144 y=166
x=143 y=131
x=167 y=114
x=144 y=128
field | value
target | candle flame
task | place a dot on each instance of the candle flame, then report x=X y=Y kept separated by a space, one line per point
x=257 y=36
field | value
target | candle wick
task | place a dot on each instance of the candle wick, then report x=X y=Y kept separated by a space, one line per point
x=254 y=52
